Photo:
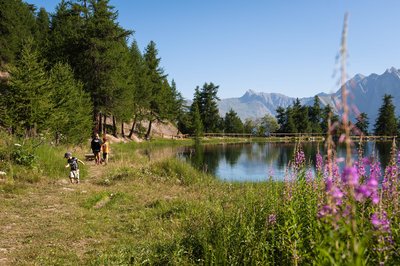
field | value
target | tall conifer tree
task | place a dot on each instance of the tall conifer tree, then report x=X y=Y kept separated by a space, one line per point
x=386 y=122
x=17 y=24
x=28 y=94
x=71 y=117
x=362 y=123
x=209 y=107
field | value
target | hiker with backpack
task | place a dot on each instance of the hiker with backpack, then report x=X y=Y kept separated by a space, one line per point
x=74 y=167
x=96 y=148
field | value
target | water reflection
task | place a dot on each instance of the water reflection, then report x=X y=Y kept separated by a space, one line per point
x=258 y=161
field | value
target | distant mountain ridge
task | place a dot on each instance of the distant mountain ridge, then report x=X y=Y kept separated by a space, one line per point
x=365 y=95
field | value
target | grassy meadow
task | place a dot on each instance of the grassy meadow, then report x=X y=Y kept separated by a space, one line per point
x=164 y=212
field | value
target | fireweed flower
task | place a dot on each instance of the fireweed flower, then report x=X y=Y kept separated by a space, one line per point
x=398 y=157
x=324 y=211
x=362 y=192
x=360 y=165
x=372 y=183
x=350 y=176
x=299 y=159
x=328 y=184
x=309 y=176
x=319 y=162
x=391 y=174
x=380 y=222
x=335 y=171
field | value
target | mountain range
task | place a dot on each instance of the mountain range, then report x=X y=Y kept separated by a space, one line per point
x=365 y=95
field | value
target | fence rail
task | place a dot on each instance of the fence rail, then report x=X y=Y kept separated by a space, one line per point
x=288 y=136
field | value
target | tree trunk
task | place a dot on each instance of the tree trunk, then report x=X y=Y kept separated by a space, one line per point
x=114 y=126
x=122 y=130
x=95 y=121
x=133 y=127
x=100 y=123
x=104 y=124
x=149 y=130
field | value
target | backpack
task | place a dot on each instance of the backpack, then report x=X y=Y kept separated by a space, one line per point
x=73 y=162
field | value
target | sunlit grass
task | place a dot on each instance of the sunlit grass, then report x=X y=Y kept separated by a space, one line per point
x=160 y=210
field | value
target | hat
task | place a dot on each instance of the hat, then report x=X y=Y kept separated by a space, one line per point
x=67 y=154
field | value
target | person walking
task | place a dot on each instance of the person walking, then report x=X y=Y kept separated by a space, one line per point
x=96 y=148
x=74 y=167
x=105 y=147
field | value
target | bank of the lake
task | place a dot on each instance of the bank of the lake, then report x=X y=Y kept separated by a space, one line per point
x=164 y=211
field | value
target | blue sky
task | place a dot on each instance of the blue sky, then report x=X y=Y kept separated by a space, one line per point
x=285 y=46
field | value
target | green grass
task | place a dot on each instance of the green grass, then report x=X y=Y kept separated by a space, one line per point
x=165 y=212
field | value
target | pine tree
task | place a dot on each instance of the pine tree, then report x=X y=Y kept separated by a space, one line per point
x=300 y=117
x=232 y=122
x=158 y=87
x=17 y=24
x=189 y=123
x=362 y=123
x=209 y=107
x=197 y=124
x=386 y=122
x=327 y=113
x=290 y=123
x=42 y=29
x=140 y=103
x=71 y=118
x=66 y=38
x=281 y=118
x=28 y=96
x=315 y=116
x=176 y=108
x=103 y=45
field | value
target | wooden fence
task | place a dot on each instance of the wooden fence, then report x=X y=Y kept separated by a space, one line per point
x=286 y=137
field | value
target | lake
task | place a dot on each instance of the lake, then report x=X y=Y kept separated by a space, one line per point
x=258 y=161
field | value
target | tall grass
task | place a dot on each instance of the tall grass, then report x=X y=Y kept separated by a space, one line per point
x=330 y=218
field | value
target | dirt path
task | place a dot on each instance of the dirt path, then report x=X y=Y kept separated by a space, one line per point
x=37 y=215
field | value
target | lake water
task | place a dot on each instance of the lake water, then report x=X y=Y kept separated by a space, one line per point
x=259 y=161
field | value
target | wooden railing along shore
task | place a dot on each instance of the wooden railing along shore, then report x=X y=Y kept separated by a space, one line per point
x=288 y=136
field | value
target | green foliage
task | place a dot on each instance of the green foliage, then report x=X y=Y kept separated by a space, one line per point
x=386 y=122
x=285 y=120
x=17 y=24
x=164 y=100
x=209 y=108
x=102 y=64
x=197 y=126
x=301 y=117
x=178 y=171
x=71 y=120
x=362 y=123
x=298 y=118
x=249 y=126
x=42 y=30
x=118 y=80
x=315 y=116
x=42 y=102
x=28 y=94
x=267 y=125
x=232 y=122
x=327 y=114
x=23 y=155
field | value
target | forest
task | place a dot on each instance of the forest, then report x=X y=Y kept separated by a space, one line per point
x=63 y=74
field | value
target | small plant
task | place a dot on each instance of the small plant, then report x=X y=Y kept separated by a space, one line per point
x=23 y=155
